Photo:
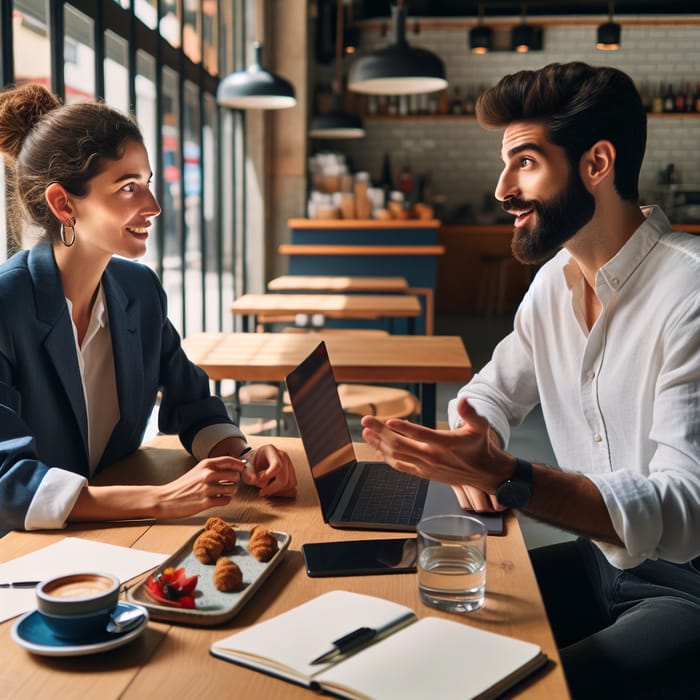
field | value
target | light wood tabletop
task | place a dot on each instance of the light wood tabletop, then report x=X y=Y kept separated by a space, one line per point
x=340 y=283
x=336 y=283
x=173 y=661
x=335 y=306
x=403 y=359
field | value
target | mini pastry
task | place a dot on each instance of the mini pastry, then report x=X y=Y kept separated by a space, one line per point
x=225 y=530
x=208 y=547
x=262 y=543
x=227 y=575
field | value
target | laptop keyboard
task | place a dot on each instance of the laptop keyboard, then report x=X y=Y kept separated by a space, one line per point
x=383 y=495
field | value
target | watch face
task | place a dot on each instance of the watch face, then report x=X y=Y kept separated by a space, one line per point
x=514 y=494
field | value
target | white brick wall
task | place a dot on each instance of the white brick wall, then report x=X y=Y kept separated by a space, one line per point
x=462 y=159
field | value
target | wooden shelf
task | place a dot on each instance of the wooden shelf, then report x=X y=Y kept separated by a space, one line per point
x=332 y=249
x=362 y=223
x=471 y=117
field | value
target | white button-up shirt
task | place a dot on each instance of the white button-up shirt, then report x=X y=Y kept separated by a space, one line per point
x=621 y=402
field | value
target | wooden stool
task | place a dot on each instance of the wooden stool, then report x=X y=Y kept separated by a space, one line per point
x=376 y=400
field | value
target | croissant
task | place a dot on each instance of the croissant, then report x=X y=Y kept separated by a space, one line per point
x=208 y=547
x=262 y=543
x=227 y=575
x=225 y=530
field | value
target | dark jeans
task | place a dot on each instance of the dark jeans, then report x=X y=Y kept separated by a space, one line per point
x=622 y=634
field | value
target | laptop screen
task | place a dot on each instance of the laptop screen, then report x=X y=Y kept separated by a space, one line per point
x=322 y=425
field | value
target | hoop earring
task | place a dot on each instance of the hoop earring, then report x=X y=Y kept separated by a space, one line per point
x=63 y=233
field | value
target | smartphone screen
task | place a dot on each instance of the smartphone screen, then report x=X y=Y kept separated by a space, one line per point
x=356 y=557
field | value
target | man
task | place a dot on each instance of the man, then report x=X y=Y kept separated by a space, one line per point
x=607 y=340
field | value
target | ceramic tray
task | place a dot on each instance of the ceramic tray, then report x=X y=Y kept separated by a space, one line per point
x=212 y=606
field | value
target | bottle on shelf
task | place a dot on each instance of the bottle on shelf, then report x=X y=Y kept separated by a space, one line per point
x=669 y=99
x=689 y=100
x=456 y=101
x=443 y=102
x=645 y=94
x=657 y=103
x=386 y=181
x=680 y=97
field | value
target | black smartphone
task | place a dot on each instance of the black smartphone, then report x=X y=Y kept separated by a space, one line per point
x=360 y=557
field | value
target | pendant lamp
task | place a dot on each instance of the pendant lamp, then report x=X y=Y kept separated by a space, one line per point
x=481 y=36
x=398 y=69
x=523 y=36
x=337 y=124
x=255 y=88
x=609 y=33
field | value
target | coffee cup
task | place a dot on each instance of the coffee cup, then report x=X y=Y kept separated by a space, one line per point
x=77 y=606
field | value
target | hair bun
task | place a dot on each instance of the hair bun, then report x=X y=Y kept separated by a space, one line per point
x=20 y=109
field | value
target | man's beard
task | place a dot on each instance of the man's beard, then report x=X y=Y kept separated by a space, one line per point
x=558 y=220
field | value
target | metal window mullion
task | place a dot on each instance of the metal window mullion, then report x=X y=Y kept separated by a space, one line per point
x=57 y=32
x=181 y=212
x=99 y=40
x=7 y=61
x=202 y=222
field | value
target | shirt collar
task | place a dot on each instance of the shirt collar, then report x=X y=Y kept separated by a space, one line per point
x=620 y=267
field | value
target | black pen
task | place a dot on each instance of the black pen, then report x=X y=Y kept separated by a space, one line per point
x=19 y=584
x=361 y=636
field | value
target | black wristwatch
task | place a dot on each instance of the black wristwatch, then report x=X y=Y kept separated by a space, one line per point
x=516 y=492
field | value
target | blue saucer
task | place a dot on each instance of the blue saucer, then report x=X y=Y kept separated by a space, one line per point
x=32 y=633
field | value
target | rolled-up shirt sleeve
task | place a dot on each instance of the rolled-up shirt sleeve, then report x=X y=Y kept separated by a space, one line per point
x=207 y=438
x=54 y=500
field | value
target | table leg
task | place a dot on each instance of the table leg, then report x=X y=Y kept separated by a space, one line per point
x=428 y=404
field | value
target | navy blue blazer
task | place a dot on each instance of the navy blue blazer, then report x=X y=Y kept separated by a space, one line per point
x=43 y=420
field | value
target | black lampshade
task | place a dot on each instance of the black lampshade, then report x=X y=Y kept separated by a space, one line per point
x=480 y=39
x=351 y=40
x=609 y=36
x=398 y=69
x=336 y=125
x=255 y=88
x=523 y=38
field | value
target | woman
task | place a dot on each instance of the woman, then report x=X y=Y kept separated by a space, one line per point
x=85 y=342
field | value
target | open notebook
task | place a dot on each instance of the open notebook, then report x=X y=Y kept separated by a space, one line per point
x=360 y=495
x=415 y=659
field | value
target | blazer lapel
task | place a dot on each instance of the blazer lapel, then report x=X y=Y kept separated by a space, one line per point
x=59 y=341
x=123 y=315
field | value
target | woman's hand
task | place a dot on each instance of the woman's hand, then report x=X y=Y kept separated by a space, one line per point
x=271 y=470
x=211 y=482
x=266 y=467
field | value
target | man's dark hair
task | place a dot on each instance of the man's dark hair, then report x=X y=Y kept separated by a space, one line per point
x=579 y=105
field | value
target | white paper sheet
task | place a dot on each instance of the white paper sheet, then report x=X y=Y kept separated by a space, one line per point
x=68 y=556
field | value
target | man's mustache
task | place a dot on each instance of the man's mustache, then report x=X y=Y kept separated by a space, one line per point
x=514 y=204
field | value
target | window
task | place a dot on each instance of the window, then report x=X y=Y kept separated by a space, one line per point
x=166 y=69
x=78 y=56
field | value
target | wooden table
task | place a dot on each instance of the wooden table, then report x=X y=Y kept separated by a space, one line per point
x=339 y=283
x=402 y=359
x=337 y=306
x=336 y=283
x=173 y=661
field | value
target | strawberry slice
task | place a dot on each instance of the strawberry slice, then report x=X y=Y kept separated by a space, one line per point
x=173 y=587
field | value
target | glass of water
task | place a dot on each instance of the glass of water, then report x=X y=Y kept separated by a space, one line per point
x=452 y=562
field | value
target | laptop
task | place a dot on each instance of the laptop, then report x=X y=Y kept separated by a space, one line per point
x=353 y=494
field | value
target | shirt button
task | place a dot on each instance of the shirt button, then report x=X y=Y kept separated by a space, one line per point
x=597 y=438
x=590 y=374
x=615 y=282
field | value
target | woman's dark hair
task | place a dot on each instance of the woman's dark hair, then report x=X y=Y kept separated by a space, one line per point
x=579 y=105
x=48 y=142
